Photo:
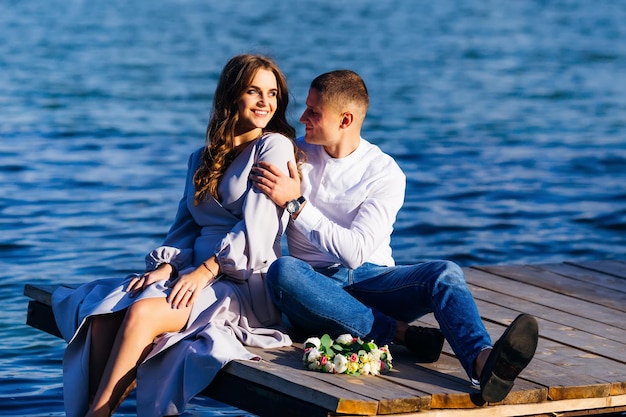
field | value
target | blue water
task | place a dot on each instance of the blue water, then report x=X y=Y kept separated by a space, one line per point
x=509 y=119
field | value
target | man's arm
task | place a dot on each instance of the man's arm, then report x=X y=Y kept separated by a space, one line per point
x=349 y=244
x=279 y=187
x=352 y=237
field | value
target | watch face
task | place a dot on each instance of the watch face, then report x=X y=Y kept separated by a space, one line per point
x=293 y=206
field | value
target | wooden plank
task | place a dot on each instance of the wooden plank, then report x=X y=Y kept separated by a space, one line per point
x=561 y=284
x=565 y=370
x=40 y=317
x=443 y=386
x=286 y=363
x=575 y=331
x=449 y=366
x=612 y=267
x=555 y=362
x=583 y=274
x=547 y=408
x=553 y=324
x=448 y=384
x=41 y=293
x=615 y=374
x=528 y=292
x=295 y=384
x=391 y=398
x=259 y=399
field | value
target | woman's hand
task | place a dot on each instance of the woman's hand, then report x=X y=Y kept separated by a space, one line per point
x=139 y=283
x=187 y=287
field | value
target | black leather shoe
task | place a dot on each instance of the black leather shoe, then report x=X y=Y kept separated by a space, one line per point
x=510 y=355
x=424 y=342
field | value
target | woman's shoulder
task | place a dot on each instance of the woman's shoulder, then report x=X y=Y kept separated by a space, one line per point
x=195 y=158
x=197 y=153
x=273 y=140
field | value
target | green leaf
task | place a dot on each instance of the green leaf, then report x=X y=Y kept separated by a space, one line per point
x=369 y=346
x=338 y=348
x=326 y=342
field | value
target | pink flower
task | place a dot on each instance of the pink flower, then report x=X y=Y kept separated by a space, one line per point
x=354 y=357
x=384 y=367
x=323 y=360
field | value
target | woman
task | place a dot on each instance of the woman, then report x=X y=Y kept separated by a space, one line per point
x=160 y=327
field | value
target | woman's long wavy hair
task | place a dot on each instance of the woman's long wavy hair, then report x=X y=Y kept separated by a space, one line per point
x=220 y=151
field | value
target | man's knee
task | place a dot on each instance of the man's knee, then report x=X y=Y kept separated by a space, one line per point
x=451 y=274
x=283 y=272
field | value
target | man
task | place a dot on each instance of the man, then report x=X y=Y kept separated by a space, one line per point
x=340 y=276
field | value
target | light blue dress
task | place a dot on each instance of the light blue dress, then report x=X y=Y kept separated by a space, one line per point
x=244 y=231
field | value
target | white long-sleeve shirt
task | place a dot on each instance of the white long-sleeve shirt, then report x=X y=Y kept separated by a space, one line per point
x=352 y=203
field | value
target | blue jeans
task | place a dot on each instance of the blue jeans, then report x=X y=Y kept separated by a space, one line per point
x=367 y=301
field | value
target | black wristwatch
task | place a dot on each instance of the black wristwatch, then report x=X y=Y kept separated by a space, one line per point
x=293 y=206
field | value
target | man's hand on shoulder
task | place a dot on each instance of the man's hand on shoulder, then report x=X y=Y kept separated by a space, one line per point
x=279 y=187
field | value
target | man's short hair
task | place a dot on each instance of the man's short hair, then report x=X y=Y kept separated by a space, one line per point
x=340 y=88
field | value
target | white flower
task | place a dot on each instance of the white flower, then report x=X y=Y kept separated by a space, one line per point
x=345 y=339
x=313 y=341
x=365 y=369
x=329 y=367
x=341 y=364
x=374 y=355
x=313 y=355
x=370 y=359
x=314 y=366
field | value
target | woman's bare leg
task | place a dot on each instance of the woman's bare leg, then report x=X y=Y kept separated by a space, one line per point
x=104 y=328
x=144 y=320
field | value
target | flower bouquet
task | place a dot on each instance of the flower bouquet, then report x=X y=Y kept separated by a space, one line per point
x=346 y=355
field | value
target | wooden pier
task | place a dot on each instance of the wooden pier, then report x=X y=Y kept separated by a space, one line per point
x=579 y=368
